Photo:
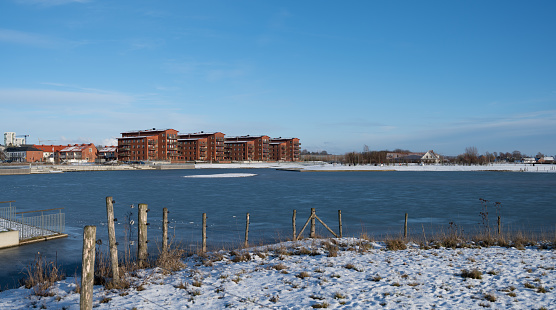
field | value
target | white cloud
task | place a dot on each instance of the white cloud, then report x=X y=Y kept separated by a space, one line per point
x=50 y=98
x=26 y=38
x=51 y=2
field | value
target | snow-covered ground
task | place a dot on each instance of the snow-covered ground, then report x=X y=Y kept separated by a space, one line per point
x=307 y=274
x=320 y=166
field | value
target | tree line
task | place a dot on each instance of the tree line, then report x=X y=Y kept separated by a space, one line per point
x=471 y=156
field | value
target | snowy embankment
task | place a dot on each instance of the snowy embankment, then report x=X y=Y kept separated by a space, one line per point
x=336 y=273
x=321 y=166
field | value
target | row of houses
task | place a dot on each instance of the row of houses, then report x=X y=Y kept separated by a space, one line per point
x=165 y=145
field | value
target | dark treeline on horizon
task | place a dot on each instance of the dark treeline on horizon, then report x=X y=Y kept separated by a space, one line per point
x=470 y=157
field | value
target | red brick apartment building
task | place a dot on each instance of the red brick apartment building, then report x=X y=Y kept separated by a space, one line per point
x=285 y=149
x=204 y=146
x=239 y=150
x=260 y=146
x=150 y=144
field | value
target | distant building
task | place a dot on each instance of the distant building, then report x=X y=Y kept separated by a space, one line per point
x=285 y=149
x=107 y=153
x=546 y=160
x=23 y=154
x=239 y=150
x=79 y=153
x=10 y=139
x=148 y=145
x=261 y=148
x=202 y=146
x=405 y=157
x=430 y=158
x=51 y=153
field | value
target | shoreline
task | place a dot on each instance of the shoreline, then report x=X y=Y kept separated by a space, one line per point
x=283 y=166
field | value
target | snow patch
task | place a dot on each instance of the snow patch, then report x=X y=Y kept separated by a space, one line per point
x=221 y=175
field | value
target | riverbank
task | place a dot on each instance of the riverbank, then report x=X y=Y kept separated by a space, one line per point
x=345 y=273
x=289 y=166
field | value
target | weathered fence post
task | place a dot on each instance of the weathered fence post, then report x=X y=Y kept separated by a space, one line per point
x=204 y=232
x=165 y=230
x=405 y=227
x=340 y=222
x=112 y=241
x=499 y=226
x=142 y=251
x=88 y=268
x=247 y=231
x=312 y=233
x=293 y=224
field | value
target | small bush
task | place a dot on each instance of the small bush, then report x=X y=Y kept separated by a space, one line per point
x=376 y=278
x=395 y=244
x=541 y=289
x=332 y=249
x=490 y=297
x=303 y=275
x=339 y=295
x=241 y=257
x=182 y=285
x=473 y=274
x=41 y=275
x=105 y=300
x=320 y=305
x=528 y=285
x=279 y=267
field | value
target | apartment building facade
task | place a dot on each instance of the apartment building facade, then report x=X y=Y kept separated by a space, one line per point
x=261 y=150
x=239 y=150
x=285 y=149
x=206 y=146
x=148 y=145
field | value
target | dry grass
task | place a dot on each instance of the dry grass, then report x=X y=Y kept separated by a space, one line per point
x=472 y=274
x=303 y=275
x=41 y=275
x=171 y=260
x=395 y=244
x=240 y=256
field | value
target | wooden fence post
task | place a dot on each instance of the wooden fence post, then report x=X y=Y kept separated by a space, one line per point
x=499 y=226
x=293 y=224
x=112 y=241
x=340 y=222
x=204 y=232
x=247 y=231
x=405 y=227
x=165 y=230
x=312 y=233
x=142 y=251
x=88 y=268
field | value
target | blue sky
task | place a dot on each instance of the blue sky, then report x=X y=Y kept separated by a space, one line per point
x=418 y=75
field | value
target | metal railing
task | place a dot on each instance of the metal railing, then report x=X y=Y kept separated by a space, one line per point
x=32 y=224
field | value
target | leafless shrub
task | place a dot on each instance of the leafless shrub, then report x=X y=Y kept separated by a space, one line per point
x=395 y=244
x=41 y=275
x=170 y=260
